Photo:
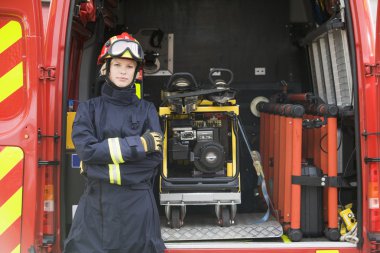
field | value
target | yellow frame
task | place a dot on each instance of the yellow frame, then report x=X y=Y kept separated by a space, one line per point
x=163 y=111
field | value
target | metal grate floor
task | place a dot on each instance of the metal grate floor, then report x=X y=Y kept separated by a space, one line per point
x=201 y=228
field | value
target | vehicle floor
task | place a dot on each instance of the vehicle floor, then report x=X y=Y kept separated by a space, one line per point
x=205 y=228
x=203 y=232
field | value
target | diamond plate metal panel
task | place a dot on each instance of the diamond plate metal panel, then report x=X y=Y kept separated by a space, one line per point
x=199 y=228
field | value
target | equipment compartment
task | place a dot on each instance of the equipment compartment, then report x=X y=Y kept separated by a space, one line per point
x=273 y=48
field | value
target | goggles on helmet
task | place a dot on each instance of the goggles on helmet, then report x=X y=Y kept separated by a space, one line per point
x=121 y=46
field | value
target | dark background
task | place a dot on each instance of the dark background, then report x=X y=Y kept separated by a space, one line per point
x=239 y=35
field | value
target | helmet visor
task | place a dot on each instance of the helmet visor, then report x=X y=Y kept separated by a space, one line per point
x=119 y=47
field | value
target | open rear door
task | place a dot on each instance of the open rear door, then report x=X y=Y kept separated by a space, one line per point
x=54 y=73
x=31 y=78
x=372 y=119
x=20 y=55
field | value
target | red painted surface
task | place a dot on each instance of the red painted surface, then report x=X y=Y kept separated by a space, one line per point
x=40 y=108
x=260 y=250
x=20 y=128
x=368 y=92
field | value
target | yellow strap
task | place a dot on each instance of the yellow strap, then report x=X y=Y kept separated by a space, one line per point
x=115 y=150
x=285 y=239
x=114 y=174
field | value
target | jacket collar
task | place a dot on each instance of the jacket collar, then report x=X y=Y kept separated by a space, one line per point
x=125 y=96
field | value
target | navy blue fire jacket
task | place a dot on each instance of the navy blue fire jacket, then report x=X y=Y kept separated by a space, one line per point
x=117 y=213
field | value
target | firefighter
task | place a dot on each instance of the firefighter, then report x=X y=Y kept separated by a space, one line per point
x=119 y=141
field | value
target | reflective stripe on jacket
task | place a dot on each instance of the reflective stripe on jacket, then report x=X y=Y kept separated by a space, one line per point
x=106 y=134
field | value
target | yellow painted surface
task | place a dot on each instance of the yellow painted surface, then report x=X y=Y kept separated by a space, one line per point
x=11 y=210
x=9 y=34
x=11 y=81
x=69 y=129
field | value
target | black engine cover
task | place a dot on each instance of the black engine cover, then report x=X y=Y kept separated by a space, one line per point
x=209 y=156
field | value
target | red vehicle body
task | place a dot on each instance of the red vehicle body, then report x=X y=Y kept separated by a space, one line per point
x=34 y=66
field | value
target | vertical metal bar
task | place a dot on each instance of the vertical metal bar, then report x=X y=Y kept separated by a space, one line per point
x=281 y=165
x=332 y=172
x=262 y=138
x=265 y=155
x=296 y=171
x=317 y=146
x=310 y=140
x=288 y=167
x=271 y=153
x=324 y=166
x=276 y=161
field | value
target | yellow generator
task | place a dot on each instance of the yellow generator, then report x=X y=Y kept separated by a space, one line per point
x=200 y=152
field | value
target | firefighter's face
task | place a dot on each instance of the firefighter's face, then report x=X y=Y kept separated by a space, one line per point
x=122 y=71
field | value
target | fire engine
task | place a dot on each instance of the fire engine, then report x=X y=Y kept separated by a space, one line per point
x=270 y=111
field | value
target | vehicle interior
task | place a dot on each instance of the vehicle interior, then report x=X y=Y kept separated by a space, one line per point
x=293 y=53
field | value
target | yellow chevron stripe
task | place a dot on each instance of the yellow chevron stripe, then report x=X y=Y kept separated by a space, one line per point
x=9 y=34
x=17 y=249
x=11 y=81
x=9 y=157
x=10 y=211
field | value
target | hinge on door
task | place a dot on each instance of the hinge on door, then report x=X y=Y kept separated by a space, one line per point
x=47 y=73
x=47 y=163
x=40 y=135
x=372 y=159
x=372 y=69
x=32 y=249
x=366 y=134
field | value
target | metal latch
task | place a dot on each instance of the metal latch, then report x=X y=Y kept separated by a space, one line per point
x=372 y=69
x=47 y=73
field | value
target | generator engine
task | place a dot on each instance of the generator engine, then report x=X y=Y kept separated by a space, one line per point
x=196 y=144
